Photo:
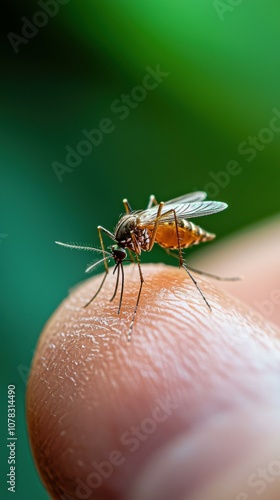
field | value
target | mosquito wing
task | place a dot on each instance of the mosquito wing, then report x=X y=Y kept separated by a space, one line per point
x=187 y=198
x=183 y=211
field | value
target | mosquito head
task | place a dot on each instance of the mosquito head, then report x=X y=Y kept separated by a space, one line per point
x=118 y=253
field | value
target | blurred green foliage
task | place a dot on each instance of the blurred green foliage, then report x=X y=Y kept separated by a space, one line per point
x=216 y=102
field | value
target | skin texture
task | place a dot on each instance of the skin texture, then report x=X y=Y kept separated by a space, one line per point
x=187 y=410
x=254 y=254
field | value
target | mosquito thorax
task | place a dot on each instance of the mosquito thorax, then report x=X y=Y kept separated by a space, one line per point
x=119 y=253
x=126 y=225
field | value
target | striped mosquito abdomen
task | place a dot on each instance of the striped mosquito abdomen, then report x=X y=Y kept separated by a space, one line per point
x=189 y=234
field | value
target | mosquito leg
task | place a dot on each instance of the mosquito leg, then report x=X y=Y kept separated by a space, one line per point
x=194 y=281
x=127 y=206
x=137 y=248
x=128 y=209
x=100 y=229
x=138 y=299
x=99 y=289
x=203 y=273
x=152 y=240
x=176 y=256
x=178 y=239
x=180 y=256
x=169 y=252
x=214 y=276
x=152 y=201
x=117 y=282
x=122 y=289
x=131 y=256
x=159 y=216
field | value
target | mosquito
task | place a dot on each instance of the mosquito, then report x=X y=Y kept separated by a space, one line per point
x=164 y=223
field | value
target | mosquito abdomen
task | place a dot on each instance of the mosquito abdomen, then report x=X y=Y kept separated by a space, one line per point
x=189 y=234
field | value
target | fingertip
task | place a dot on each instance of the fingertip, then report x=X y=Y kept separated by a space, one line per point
x=91 y=393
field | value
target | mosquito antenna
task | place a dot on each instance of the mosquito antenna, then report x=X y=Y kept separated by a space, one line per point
x=214 y=276
x=80 y=247
x=122 y=288
x=138 y=299
x=92 y=266
x=194 y=281
x=203 y=273
x=117 y=267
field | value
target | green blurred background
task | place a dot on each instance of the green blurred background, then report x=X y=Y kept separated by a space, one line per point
x=221 y=85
